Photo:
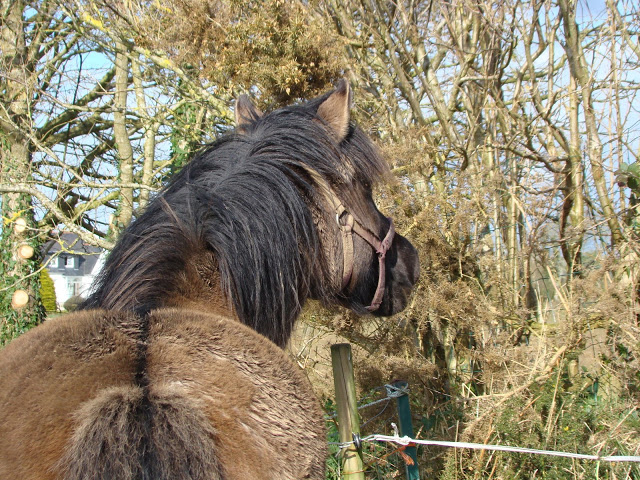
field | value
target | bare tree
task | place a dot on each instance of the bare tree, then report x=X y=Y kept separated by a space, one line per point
x=493 y=115
x=86 y=120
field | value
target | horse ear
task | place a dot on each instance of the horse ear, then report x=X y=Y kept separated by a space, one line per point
x=246 y=112
x=335 y=110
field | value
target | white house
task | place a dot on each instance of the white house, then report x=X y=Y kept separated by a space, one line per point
x=72 y=265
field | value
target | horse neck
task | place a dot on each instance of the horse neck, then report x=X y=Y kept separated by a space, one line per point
x=156 y=264
x=190 y=249
x=198 y=287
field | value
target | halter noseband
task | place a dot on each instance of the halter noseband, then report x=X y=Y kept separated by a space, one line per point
x=348 y=228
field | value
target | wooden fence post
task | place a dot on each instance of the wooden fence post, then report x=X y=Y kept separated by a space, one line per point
x=347 y=409
x=406 y=429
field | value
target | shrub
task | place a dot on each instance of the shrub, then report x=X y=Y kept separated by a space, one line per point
x=48 y=292
x=72 y=303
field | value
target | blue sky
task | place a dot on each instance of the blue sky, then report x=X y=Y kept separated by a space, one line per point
x=593 y=8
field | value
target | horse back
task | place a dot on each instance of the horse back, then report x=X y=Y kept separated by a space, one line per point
x=267 y=419
x=174 y=395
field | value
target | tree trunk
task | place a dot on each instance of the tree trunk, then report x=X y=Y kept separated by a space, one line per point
x=125 y=151
x=149 y=136
x=17 y=274
x=579 y=72
x=512 y=233
x=572 y=214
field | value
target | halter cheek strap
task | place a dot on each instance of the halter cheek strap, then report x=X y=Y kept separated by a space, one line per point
x=381 y=249
x=348 y=226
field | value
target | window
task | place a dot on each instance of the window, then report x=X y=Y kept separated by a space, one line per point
x=74 y=286
x=53 y=262
x=69 y=262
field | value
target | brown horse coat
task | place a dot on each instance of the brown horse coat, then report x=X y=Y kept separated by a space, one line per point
x=221 y=401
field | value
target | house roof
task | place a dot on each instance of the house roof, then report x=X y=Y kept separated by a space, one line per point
x=70 y=244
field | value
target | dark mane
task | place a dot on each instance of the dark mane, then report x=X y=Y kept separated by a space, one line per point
x=243 y=205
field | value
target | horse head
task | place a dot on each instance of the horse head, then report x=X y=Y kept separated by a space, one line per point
x=370 y=267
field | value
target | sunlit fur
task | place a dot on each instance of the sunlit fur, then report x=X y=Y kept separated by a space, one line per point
x=177 y=395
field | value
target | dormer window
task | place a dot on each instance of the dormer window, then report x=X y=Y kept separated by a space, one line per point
x=69 y=262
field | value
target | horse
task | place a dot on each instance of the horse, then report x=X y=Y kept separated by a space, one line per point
x=174 y=368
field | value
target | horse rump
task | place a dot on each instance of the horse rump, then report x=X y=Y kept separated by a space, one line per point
x=141 y=433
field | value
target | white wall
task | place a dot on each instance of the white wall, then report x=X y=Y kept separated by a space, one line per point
x=65 y=285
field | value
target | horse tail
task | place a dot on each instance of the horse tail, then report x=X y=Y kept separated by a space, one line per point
x=143 y=434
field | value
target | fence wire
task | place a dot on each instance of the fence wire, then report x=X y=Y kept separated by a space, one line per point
x=394 y=391
x=407 y=441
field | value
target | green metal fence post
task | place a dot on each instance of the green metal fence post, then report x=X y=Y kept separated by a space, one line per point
x=406 y=428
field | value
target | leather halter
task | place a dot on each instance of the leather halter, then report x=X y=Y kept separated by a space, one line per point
x=348 y=228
